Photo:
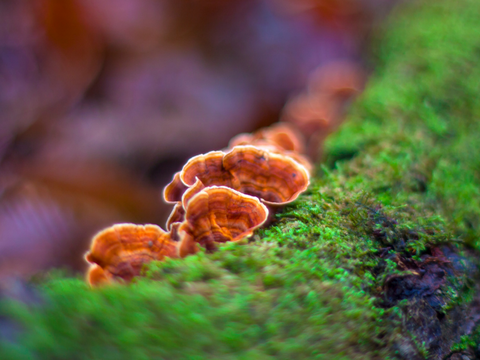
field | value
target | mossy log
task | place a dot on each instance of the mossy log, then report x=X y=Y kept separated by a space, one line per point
x=378 y=260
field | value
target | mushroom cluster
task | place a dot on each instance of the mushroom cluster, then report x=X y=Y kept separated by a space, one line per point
x=218 y=197
x=225 y=195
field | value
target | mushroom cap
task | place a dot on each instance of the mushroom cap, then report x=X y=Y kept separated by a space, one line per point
x=280 y=137
x=248 y=139
x=285 y=136
x=219 y=214
x=275 y=178
x=274 y=147
x=122 y=249
x=241 y=139
x=207 y=168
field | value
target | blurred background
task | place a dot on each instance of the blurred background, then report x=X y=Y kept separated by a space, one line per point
x=102 y=101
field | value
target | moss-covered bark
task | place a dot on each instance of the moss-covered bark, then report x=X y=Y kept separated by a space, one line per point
x=376 y=261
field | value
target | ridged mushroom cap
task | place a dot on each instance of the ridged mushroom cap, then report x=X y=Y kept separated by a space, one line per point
x=274 y=177
x=284 y=135
x=219 y=214
x=122 y=249
x=281 y=137
x=277 y=179
x=207 y=168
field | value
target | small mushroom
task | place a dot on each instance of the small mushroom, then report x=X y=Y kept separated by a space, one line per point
x=269 y=146
x=285 y=136
x=120 y=251
x=242 y=139
x=275 y=178
x=316 y=115
x=249 y=139
x=281 y=137
x=219 y=214
x=208 y=169
x=200 y=171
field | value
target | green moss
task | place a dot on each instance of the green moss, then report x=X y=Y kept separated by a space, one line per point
x=402 y=179
x=464 y=344
x=417 y=121
x=217 y=306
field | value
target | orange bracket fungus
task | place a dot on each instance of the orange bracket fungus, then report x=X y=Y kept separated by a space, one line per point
x=281 y=136
x=219 y=214
x=219 y=196
x=285 y=136
x=275 y=178
x=120 y=251
x=207 y=168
